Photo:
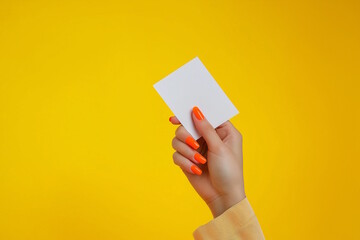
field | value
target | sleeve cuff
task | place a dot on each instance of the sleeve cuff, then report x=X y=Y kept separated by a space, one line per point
x=237 y=222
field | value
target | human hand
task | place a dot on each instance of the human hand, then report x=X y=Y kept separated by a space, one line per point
x=213 y=164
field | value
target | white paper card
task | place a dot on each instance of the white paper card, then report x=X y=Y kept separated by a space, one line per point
x=192 y=85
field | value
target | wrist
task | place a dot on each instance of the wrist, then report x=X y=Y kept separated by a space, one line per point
x=222 y=203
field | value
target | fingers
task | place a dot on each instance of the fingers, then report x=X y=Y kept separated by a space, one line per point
x=206 y=130
x=174 y=120
x=185 y=164
x=187 y=151
x=185 y=137
x=186 y=154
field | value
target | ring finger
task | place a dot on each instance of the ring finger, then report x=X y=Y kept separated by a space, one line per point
x=187 y=152
x=185 y=164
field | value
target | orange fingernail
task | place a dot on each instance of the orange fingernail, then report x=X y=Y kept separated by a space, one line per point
x=198 y=113
x=170 y=119
x=198 y=157
x=192 y=143
x=196 y=170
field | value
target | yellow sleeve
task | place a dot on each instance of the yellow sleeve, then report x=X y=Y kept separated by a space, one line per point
x=238 y=222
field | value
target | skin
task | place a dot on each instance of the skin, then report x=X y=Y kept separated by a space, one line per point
x=221 y=184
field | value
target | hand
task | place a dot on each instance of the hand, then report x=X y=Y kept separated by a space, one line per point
x=213 y=164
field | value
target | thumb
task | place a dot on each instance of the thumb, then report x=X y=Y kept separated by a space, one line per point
x=205 y=129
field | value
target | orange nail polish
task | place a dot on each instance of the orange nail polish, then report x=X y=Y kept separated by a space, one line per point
x=198 y=113
x=198 y=157
x=196 y=170
x=192 y=143
x=170 y=119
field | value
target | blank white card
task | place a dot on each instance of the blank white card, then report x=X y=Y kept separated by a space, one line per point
x=192 y=85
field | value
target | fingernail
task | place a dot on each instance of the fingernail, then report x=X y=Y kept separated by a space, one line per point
x=198 y=157
x=192 y=143
x=196 y=170
x=198 y=113
x=170 y=119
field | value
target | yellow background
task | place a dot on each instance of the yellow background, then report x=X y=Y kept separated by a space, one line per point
x=85 y=142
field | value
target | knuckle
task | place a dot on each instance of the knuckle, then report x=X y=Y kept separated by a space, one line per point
x=174 y=156
x=178 y=130
x=173 y=143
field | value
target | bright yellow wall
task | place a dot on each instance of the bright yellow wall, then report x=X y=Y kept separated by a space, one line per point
x=85 y=142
